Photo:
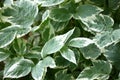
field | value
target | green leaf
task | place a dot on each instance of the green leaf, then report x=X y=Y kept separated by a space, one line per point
x=68 y=54
x=100 y=71
x=115 y=35
x=6 y=38
x=39 y=72
x=103 y=39
x=55 y=44
x=63 y=74
x=85 y=11
x=17 y=68
x=45 y=15
x=91 y=51
x=112 y=53
x=98 y=23
x=80 y=42
x=19 y=45
x=60 y=14
x=22 y=12
x=107 y=38
x=48 y=32
x=47 y=3
x=48 y=62
x=8 y=2
x=114 y=4
x=4 y=54
x=23 y=31
x=61 y=62
x=40 y=69
x=58 y=26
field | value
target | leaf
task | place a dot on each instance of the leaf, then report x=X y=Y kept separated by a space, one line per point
x=48 y=62
x=100 y=71
x=107 y=38
x=98 y=23
x=22 y=12
x=114 y=4
x=17 y=68
x=8 y=2
x=60 y=14
x=85 y=11
x=45 y=15
x=48 y=32
x=61 y=62
x=103 y=39
x=80 y=42
x=6 y=38
x=55 y=44
x=47 y=3
x=68 y=54
x=77 y=1
x=63 y=74
x=40 y=70
x=58 y=26
x=91 y=51
x=112 y=53
x=23 y=31
x=4 y=54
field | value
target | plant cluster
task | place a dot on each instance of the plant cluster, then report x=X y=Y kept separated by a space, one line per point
x=59 y=40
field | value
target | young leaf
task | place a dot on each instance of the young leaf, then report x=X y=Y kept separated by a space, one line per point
x=55 y=44
x=60 y=14
x=68 y=54
x=47 y=3
x=17 y=68
x=4 y=54
x=80 y=42
x=100 y=71
x=40 y=70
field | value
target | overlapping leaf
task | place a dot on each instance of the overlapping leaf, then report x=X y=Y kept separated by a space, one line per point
x=63 y=74
x=100 y=70
x=98 y=23
x=112 y=53
x=40 y=70
x=17 y=68
x=85 y=11
x=4 y=54
x=22 y=13
x=55 y=44
x=68 y=54
x=80 y=42
x=60 y=14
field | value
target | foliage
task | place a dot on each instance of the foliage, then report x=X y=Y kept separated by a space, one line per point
x=59 y=40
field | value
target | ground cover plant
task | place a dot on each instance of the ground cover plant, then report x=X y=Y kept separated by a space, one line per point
x=59 y=39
